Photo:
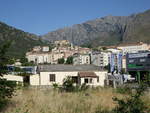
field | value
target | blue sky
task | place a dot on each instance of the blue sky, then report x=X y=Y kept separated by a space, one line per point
x=42 y=16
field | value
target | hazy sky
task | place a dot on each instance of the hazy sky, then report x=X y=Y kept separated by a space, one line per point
x=42 y=16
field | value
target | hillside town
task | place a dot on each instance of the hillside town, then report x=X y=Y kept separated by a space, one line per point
x=62 y=49
x=96 y=67
x=75 y=56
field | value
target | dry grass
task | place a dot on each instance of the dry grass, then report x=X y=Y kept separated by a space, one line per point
x=48 y=101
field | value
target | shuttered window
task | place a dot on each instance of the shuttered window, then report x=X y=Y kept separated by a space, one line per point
x=52 y=77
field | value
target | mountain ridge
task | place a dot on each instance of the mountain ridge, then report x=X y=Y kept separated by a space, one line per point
x=108 y=30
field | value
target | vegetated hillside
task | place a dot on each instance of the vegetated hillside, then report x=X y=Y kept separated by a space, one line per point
x=109 y=30
x=21 y=41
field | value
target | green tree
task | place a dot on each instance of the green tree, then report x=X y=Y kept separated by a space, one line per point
x=61 y=61
x=69 y=60
x=6 y=87
x=23 y=60
x=69 y=85
x=4 y=59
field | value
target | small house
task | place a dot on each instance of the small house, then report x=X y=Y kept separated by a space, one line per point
x=50 y=74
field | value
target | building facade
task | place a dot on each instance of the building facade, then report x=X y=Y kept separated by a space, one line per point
x=80 y=59
x=39 y=57
x=62 y=49
x=50 y=74
x=100 y=58
x=133 y=48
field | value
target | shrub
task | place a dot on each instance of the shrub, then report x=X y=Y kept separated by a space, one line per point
x=83 y=87
x=6 y=91
x=132 y=104
x=69 y=86
x=55 y=86
x=123 y=90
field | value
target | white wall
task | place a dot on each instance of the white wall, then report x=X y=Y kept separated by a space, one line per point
x=124 y=63
x=60 y=76
x=85 y=59
x=81 y=59
x=34 y=79
x=102 y=77
x=100 y=59
x=31 y=57
x=13 y=78
x=45 y=79
x=94 y=81
x=105 y=58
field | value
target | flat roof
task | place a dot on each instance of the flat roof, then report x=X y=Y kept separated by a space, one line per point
x=68 y=68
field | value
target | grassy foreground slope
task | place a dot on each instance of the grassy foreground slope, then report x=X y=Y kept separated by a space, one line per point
x=48 y=101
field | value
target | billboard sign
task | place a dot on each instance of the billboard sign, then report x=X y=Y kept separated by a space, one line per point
x=119 y=62
x=112 y=63
x=138 y=61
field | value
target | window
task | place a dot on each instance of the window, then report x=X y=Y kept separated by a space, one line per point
x=87 y=60
x=52 y=77
x=75 y=79
x=142 y=60
x=97 y=79
x=85 y=80
x=88 y=80
x=131 y=61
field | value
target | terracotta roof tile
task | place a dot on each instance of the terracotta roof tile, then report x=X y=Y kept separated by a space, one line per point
x=87 y=74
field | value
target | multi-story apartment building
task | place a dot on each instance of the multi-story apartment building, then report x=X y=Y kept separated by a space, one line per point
x=96 y=58
x=79 y=59
x=100 y=58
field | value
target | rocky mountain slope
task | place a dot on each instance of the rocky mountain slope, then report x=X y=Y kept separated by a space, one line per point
x=138 y=29
x=21 y=41
x=110 y=30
